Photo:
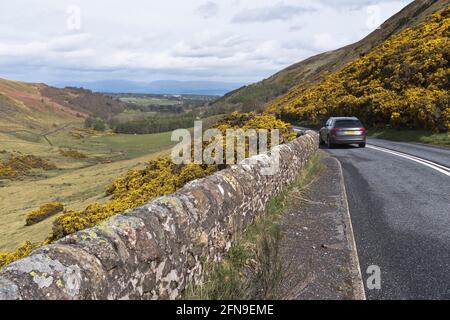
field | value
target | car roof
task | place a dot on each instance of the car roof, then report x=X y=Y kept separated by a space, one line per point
x=344 y=118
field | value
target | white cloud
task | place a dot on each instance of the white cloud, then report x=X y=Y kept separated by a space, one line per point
x=240 y=40
x=279 y=11
x=208 y=9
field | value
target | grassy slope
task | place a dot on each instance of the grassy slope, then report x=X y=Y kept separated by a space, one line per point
x=420 y=136
x=310 y=71
x=40 y=108
x=23 y=107
x=77 y=183
x=39 y=120
x=115 y=147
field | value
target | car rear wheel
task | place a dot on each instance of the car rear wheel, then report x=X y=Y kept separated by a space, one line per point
x=362 y=145
x=321 y=142
x=329 y=144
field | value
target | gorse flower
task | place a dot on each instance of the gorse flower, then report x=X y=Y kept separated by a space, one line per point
x=19 y=253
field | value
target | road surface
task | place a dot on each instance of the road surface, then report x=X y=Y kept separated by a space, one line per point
x=400 y=209
x=399 y=200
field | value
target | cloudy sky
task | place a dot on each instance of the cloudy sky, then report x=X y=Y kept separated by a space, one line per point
x=143 y=40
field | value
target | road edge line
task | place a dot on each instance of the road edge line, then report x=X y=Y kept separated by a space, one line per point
x=435 y=166
x=357 y=281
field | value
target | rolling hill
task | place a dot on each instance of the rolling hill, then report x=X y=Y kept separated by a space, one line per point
x=312 y=70
x=37 y=107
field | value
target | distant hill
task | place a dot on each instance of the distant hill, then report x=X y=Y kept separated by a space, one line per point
x=212 y=88
x=38 y=107
x=312 y=70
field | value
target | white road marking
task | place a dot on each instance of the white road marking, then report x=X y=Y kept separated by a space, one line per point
x=432 y=165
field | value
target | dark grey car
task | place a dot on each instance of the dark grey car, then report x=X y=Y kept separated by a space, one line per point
x=343 y=131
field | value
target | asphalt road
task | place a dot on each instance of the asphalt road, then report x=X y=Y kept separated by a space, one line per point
x=400 y=209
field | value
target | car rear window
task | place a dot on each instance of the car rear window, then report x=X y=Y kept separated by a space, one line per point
x=348 y=124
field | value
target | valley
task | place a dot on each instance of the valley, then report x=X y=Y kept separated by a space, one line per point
x=87 y=139
x=75 y=182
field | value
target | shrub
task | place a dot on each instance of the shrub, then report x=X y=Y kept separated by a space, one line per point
x=75 y=154
x=18 y=166
x=252 y=120
x=98 y=124
x=8 y=257
x=44 y=212
x=160 y=177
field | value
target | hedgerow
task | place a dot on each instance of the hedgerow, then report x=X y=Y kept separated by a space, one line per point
x=44 y=212
x=403 y=83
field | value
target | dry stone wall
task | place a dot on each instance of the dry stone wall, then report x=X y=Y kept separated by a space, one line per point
x=155 y=251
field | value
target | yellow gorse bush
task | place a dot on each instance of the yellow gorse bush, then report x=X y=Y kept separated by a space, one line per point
x=44 y=212
x=159 y=177
x=404 y=82
x=20 y=165
x=75 y=154
x=255 y=121
x=21 y=252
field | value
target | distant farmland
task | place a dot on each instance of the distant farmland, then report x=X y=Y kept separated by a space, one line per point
x=145 y=101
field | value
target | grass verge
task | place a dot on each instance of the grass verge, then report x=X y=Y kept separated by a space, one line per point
x=253 y=269
x=420 y=136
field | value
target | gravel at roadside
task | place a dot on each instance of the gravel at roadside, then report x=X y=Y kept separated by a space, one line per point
x=318 y=248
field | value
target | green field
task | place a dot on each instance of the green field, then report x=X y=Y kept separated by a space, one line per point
x=76 y=182
x=148 y=101
x=133 y=115
x=115 y=147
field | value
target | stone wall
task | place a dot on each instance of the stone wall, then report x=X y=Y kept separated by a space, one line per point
x=154 y=251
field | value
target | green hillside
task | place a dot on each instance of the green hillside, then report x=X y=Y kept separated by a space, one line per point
x=312 y=70
x=403 y=83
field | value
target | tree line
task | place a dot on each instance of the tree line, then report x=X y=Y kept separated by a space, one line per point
x=146 y=125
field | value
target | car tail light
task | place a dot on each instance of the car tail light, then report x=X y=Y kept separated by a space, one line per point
x=363 y=130
x=334 y=131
